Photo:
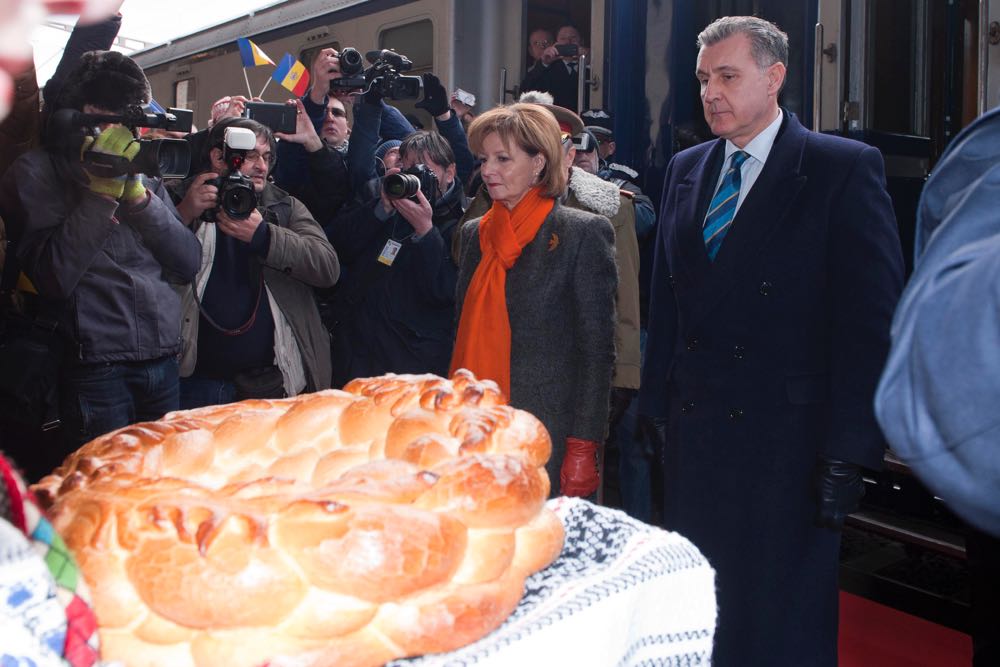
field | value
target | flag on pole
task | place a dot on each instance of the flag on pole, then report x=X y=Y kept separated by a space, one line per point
x=292 y=74
x=252 y=54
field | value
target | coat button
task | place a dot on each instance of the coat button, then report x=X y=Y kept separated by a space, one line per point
x=687 y=407
x=738 y=351
x=670 y=279
x=692 y=344
x=735 y=413
x=765 y=288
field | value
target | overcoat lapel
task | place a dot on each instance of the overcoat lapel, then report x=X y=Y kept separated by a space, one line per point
x=694 y=194
x=763 y=212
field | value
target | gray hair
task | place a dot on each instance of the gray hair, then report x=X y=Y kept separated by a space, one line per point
x=768 y=44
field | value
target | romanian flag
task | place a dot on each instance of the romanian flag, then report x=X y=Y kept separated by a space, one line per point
x=251 y=53
x=292 y=74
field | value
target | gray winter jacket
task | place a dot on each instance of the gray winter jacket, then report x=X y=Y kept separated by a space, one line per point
x=110 y=263
x=561 y=304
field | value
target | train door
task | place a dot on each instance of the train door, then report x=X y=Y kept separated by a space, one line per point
x=905 y=76
x=542 y=20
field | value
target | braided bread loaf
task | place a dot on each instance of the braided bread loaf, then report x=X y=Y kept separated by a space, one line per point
x=397 y=517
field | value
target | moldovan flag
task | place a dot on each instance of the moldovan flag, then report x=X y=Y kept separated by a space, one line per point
x=251 y=54
x=292 y=74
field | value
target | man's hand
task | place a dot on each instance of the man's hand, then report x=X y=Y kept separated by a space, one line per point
x=324 y=69
x=134 y=192
x=230 y=106
x=435 y=100
x=652 y=431
x=578 y=475
x=839 y=490
x=418 y=213
x=460 y=107
x=200 y=197
x=239 y=229
x=115 y=141
x=550 y=55
x=305 y=131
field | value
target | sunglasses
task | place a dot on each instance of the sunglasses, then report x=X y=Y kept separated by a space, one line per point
x=565 y=137
x=336 y=112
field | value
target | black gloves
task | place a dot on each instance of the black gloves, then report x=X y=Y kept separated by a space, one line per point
x=435 y=100
x=620 y=399
x=652 y=431
x=839 y=489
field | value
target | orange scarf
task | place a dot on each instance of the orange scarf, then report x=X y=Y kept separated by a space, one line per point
x=483 y=341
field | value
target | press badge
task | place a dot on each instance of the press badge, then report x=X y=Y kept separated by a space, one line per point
x=389 y=252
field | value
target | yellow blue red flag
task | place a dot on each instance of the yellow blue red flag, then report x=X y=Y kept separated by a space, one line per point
x=251 y=54
x=292 y=74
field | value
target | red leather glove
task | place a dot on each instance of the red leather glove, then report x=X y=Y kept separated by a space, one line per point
x=578 y=475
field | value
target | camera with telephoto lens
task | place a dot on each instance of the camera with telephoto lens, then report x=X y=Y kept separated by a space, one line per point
x=237 y=196
x=418 y=178
x=167 y=158
x=382 y=77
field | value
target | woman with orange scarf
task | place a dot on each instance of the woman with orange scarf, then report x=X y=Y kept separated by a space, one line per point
x=536 y=292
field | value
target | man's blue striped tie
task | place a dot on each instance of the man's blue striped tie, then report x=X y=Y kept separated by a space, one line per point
x=723 y=207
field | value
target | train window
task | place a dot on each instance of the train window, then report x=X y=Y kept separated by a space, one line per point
x=184 y=94
x=306 y=55
x=899 y=63
x=416 y=42
x=413 y=40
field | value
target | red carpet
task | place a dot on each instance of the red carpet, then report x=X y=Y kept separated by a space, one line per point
x=875 y=635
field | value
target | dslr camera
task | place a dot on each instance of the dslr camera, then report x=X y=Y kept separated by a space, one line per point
x=236 y=194
x=418 y=178
x=382 y=77
x=166 y=158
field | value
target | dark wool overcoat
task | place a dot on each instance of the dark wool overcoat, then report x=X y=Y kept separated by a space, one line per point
x=561 y=305
x=761 y=362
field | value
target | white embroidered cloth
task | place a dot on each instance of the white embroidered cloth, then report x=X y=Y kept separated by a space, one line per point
x=621 y=593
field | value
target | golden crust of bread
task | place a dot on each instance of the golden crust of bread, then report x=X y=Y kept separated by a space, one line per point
x=397 y=517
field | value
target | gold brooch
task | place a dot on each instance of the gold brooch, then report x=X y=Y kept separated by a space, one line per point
x=553 y=242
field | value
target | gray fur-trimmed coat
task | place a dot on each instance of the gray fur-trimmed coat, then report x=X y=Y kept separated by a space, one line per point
x=561 y=304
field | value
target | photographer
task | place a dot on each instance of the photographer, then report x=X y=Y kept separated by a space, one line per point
x=557 y=71
x=327 y=187
x=250 y=324
x=98 y=247
x=369 y=134
x=394 y=311
x=327 y=111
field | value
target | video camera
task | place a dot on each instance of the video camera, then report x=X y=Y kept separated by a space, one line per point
x=418 y=178
x=237 y=196
x=168 y=158
x=382 y=77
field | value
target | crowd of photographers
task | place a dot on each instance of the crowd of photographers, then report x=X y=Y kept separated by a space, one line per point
x=282 y=249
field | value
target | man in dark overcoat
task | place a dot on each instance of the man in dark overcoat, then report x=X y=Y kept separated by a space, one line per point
x=776 y=271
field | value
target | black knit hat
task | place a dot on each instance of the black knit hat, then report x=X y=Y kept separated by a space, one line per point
x=106 y=79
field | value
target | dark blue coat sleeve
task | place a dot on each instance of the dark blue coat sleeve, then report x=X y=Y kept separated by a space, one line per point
x=662 y=324
x=453 y=130
x=866 y=278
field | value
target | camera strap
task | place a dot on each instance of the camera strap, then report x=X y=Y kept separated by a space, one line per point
x=243 y=328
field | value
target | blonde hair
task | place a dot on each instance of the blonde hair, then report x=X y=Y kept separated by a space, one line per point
x=534 y=130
